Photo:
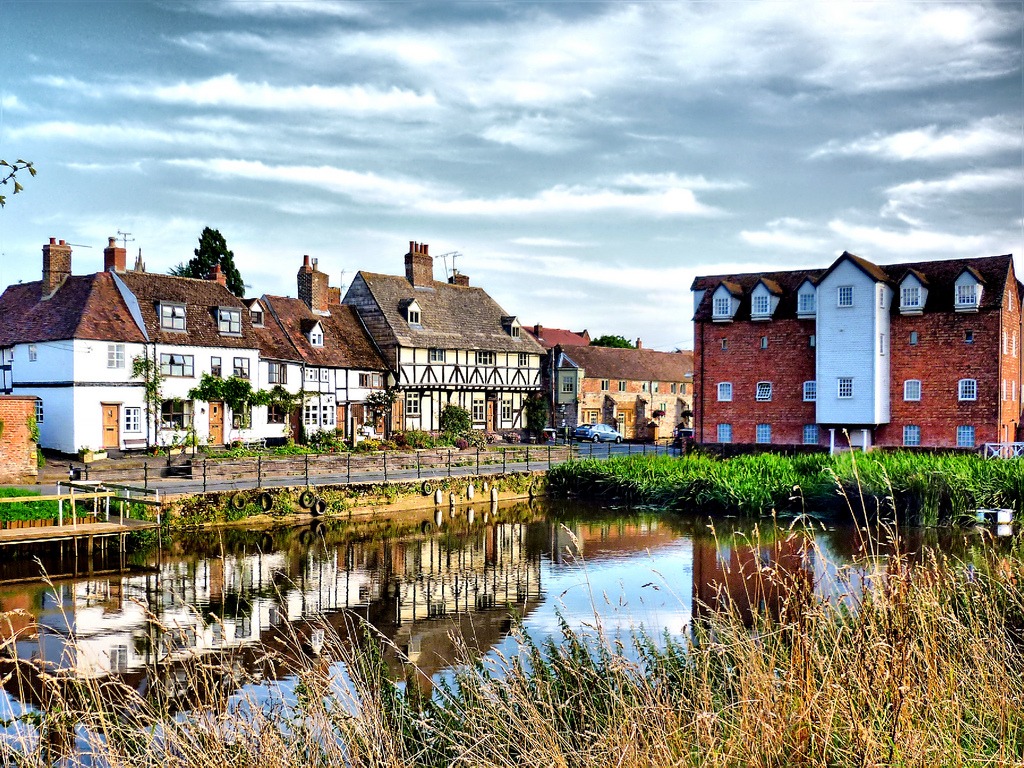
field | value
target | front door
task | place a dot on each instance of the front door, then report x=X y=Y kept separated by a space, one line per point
x=111 y=425
x=492 y=406
x=217 y=423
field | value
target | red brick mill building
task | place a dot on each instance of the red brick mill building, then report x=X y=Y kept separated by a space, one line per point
x=917 y=354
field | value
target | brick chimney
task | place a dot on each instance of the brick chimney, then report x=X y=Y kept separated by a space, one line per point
x=639 y=343
x=56 y=265
x=538 y=330
x=114 y=259
x=419 y=266
x=218 y=276
x=458 y=278
x=313 y=286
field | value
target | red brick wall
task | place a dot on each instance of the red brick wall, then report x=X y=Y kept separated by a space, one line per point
x=17 y=450
x=787 y=363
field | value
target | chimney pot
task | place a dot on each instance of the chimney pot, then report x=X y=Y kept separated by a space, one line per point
x=114 y=258
x=639 y=343
x=419 y=267
x=53 y=241
x=63 y=243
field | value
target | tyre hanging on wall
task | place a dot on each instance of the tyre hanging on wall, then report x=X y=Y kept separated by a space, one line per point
x=306 y=499
x=237 y=502
x=266 y=501
x=319 y=507
x=427 y=488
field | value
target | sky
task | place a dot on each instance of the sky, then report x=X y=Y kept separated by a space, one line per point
x=585 y=159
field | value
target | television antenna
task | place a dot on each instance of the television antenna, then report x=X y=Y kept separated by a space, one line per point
x=454 y=255
x=124 y=237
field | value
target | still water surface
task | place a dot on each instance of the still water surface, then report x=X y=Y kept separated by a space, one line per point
x=150 y=613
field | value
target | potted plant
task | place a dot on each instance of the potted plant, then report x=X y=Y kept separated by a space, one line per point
x=87 y=454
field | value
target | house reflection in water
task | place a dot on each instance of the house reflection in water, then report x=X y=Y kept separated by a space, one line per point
x=417 y=591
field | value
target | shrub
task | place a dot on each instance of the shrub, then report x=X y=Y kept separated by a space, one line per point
x=455 y=420
x=369 y=445
x=476 y=438
x=325 y=441
x=462 y=443
x=512 y=437
x=415 y=438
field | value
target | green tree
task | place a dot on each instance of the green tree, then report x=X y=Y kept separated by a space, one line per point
x=212 y=250
x=455 y=421
x=536 y=414
x=148 y=370
x=9 y=174
x=619 y=342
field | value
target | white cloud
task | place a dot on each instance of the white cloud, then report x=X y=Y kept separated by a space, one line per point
x=534 y=133
x=968 y=182
x=282 y=8
x=10 y=101
x=672 y=181
x=547 y=242
x=986 y=136
x=787 y=234
x=914 y=241
x=125 y=135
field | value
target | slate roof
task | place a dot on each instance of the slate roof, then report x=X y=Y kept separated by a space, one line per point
x=346 y=343
x=631 y=364
x=452 y=316
x=551 y=337
x=939 y=276
x=84 y=307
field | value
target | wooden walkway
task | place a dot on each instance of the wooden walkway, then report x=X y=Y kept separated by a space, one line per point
x=116 y=527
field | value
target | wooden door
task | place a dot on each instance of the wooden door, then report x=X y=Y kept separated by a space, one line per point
x=111 y=425
x=217 y=423
x=492 y=406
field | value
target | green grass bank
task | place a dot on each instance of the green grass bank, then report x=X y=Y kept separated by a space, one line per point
x=925 y=489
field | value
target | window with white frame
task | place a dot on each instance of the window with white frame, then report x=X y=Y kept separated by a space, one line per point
x=33 y=353
x=506 y=409
x=39 y=410
x=371 y=380
x=810 y=434
x=1003 y=390
x=412 y=404
x=240 y=367
x=622 y=385
x=910 y=297
x=764 y=391
x=911 y=435
x=568 y=384
x=763 y=433
x=316 y=337
x=724 y=392
x=966 y=296
x=172 y=317
x=414 y=316
x=277 y=373
x=132 y=419
x=722 y=306
x=845 y=296
x=229 y=321
x=967 y=389
x=485 y=358
x=844 y=387
x=912 y=389
x=479 y=412
x=761 y=305
x=810 y=391
x=115 y=355
x=312 y=375
x=119 y=659
x=524 y=359
x=724 y=433
x=805 y=303
x=643 y=387
x=311 y=414
x=604 y=385
x=172 y=364
x=965 y=436
x=437 y=356
x=325 y=374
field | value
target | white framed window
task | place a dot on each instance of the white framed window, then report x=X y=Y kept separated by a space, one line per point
x=485 y=358
x=761 y=305
x=524 y=359
x=654 y=386
x=39 y=410
x=844 y=387
x=764 y=391
x=311 y=414
x=845 y=296
x=810 y=391
x=412 y=404
x=240 y=367
x=312 y=375
x=810 y=434
x=622 y=385
x=479 y=412
x=172 y=317
x=1003 y=390
x=910 y=297
x=132 y=419
x=437 y=356
x=912 y=389
x=316 y=337
x=805 y=303
x=229 y=321
x=965 y=436
x=722 y=306
x=967 y=389
x=604 y=385
x=514 y=331
x=414 y=316
x=119 y=659
x=506 y=409
x=911 y=435
x=115 y=355
x=325 y=374
x=966 y=296
x=724 y=433
x=176 y=365
x=763 y=433
x=643 y=386
x=724 y=392
x=33 y=353
x=568 y=384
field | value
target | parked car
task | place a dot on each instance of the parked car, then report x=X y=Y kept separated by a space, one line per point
x=597 y=433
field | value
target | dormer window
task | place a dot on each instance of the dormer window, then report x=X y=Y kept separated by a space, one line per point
x=913 y=294
x=725 y=302
x=229 y=321
x=761 y=305
x=910 y=297
x=514 y=331
x=172 y=317
x=967 y=296
x=805 y=303
x=412 y=313
x=723 y=305
x=316 y=335
x=511 y=325
x=256 y=315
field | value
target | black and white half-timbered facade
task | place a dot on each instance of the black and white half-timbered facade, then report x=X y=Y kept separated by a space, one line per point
x=449 y=343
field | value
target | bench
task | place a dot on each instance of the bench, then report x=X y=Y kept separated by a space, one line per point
x=134 y=444
x=255 y=444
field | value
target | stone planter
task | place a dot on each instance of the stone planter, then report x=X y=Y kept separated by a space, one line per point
x=87 y=457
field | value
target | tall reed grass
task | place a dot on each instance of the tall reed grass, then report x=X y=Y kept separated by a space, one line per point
x=921 y=488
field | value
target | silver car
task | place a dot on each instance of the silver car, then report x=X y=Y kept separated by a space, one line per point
x=597 y=433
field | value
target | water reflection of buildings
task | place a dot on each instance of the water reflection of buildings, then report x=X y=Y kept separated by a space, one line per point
x=414 y=590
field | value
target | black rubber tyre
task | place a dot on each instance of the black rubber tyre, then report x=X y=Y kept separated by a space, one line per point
x=237 y=502
x=266 y=501
x=319 y=507
x=426 y=526
x=427 y=488
x=306 y=499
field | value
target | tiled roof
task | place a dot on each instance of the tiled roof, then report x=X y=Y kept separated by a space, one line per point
x=346 y=344
x=452 y=316
x=631 y=364
x=84 y=307
x=201 y=298
x=940 y=277
x=550 y=337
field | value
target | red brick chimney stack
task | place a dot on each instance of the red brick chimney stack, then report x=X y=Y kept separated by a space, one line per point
x=458 y=278
x=639 y=343
x=56 y=265
x=419 y=266
x=218 y=276
x=313 y=285
x=114 y=259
